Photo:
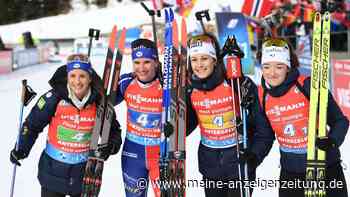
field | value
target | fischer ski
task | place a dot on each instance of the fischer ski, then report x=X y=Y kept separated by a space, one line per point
x=316 y=164
x=104 y=115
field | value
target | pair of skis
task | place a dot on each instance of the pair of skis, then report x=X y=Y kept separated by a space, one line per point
x=316 y=164
x=172 y=150
x=104 y=115
x=234 y=73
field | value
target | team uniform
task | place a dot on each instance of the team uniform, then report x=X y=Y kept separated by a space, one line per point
x=210 y=102
x=287 y=109
x=140 y=154
x=62 y=163
x=212 y=106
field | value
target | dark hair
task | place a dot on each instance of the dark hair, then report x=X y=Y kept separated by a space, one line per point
x=219 y=60
x=294 y=62
x=142 y=42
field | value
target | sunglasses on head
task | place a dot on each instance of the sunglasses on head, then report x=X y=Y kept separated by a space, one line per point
x=200 y=38
x=268 y=42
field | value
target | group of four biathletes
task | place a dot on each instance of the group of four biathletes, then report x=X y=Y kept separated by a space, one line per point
x=74 y=94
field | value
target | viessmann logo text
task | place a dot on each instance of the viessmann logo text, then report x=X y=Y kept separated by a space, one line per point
x=208 y=102
x=140 y=99
x=278 y=109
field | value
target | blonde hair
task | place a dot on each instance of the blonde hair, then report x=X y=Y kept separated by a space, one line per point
x=79 y=57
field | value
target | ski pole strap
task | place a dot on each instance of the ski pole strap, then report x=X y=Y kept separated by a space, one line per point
x=302 y=90
x=264 y=100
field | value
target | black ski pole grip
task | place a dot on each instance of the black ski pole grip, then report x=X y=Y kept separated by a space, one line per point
x=93 y=33
x=200 y=15
x=231 y=47
x=27 y=93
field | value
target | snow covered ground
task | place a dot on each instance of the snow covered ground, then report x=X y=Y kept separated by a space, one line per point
x=26 y=182
x=77 y=23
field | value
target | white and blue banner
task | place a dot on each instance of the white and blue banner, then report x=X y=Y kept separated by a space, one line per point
x=304 y=54
x=232 y=23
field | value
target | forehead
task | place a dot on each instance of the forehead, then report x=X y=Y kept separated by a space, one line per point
x=78 y=72
x=141 y=60
x=275 y=64
x=200 y=55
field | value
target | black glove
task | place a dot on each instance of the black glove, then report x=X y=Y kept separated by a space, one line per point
x=112 y=147
x=168 y=129
x=247 y=95
x=325 y=143
x=104 y=150
x=239 y=125
x=17 y=155
x=249 y=157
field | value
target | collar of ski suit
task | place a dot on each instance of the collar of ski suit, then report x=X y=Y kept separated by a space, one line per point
x=150 y=81
x=284 y=87
x=77 y=102
x=209 y=83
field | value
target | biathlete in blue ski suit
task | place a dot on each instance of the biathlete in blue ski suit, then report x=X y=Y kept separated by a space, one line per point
x=69 y=109
x=142 y=92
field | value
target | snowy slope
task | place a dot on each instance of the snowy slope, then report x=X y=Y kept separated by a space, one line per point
x=77 y=23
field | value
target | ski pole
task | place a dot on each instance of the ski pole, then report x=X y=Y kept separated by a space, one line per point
x=233 y=73
x=231 y=48
x=93 y=33
x=152 y=13
x=26 y=96
x=243 y=114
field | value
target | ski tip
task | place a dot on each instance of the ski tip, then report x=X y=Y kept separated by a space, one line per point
x=171 y=14
x=113 y=36
x=121 y=43
x=317 y=16
x=183 y=32
x=166 y=13
x=326 y=16
x=175 y=33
